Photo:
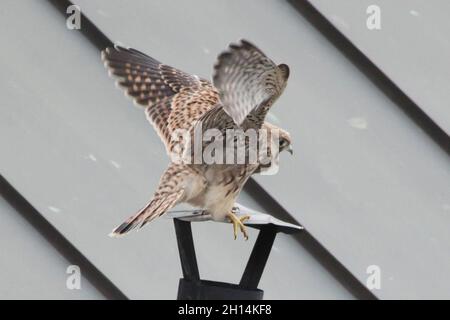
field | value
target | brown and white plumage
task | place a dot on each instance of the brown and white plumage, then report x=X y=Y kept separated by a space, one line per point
x=178 y=183
x=246 y=83
x=172 y=98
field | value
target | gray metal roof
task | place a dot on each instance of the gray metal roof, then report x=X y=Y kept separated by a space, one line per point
x=369 y=185
x=411 y=47
x=31 y=267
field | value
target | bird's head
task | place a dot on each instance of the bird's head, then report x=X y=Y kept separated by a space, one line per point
x=285 y=142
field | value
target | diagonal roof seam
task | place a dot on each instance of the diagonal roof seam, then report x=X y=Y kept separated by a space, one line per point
x=305 y=239
x=373 y=73
x=59 y=242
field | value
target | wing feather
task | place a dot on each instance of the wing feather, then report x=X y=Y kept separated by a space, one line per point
x=144 y=78
x=173 y=99
x=248 y=81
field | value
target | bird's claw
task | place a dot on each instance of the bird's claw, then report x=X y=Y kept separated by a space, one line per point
x=238 y=222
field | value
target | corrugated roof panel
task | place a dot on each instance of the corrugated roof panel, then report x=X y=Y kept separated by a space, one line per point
x=411 y=47
x=365 y=180
x=86 y=159
x=31 y=268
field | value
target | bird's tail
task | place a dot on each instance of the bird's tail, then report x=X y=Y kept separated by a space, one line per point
x=155 y=208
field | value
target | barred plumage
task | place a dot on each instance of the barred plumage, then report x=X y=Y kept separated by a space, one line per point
x=246 y=83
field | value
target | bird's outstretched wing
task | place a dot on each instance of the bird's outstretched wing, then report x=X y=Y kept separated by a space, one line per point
x=248 y=82
x=176 y=182
x=144 y=78
x=173 y=99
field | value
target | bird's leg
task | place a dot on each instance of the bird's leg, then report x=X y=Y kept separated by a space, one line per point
x=238 y=222
x=242 y=219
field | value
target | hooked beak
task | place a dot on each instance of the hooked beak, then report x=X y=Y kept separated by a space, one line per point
x=290 y=149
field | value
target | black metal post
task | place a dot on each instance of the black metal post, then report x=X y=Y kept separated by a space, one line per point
x=191 y=287
x=186 y=249
x=258 y=258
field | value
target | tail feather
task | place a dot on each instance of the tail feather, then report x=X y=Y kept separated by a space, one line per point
x=132 y=222
x=155 y=208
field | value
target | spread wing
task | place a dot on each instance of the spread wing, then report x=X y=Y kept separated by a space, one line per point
x=248 y=82
x=173 y=99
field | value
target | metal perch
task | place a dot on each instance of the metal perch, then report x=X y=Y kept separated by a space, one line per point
x=192 y=287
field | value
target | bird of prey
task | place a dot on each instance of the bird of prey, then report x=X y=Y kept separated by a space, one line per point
x=245 y=85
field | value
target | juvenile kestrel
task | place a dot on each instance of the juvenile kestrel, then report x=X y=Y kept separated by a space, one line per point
x=245 y=85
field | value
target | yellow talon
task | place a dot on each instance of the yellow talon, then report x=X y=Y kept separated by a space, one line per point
x=238 y=221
